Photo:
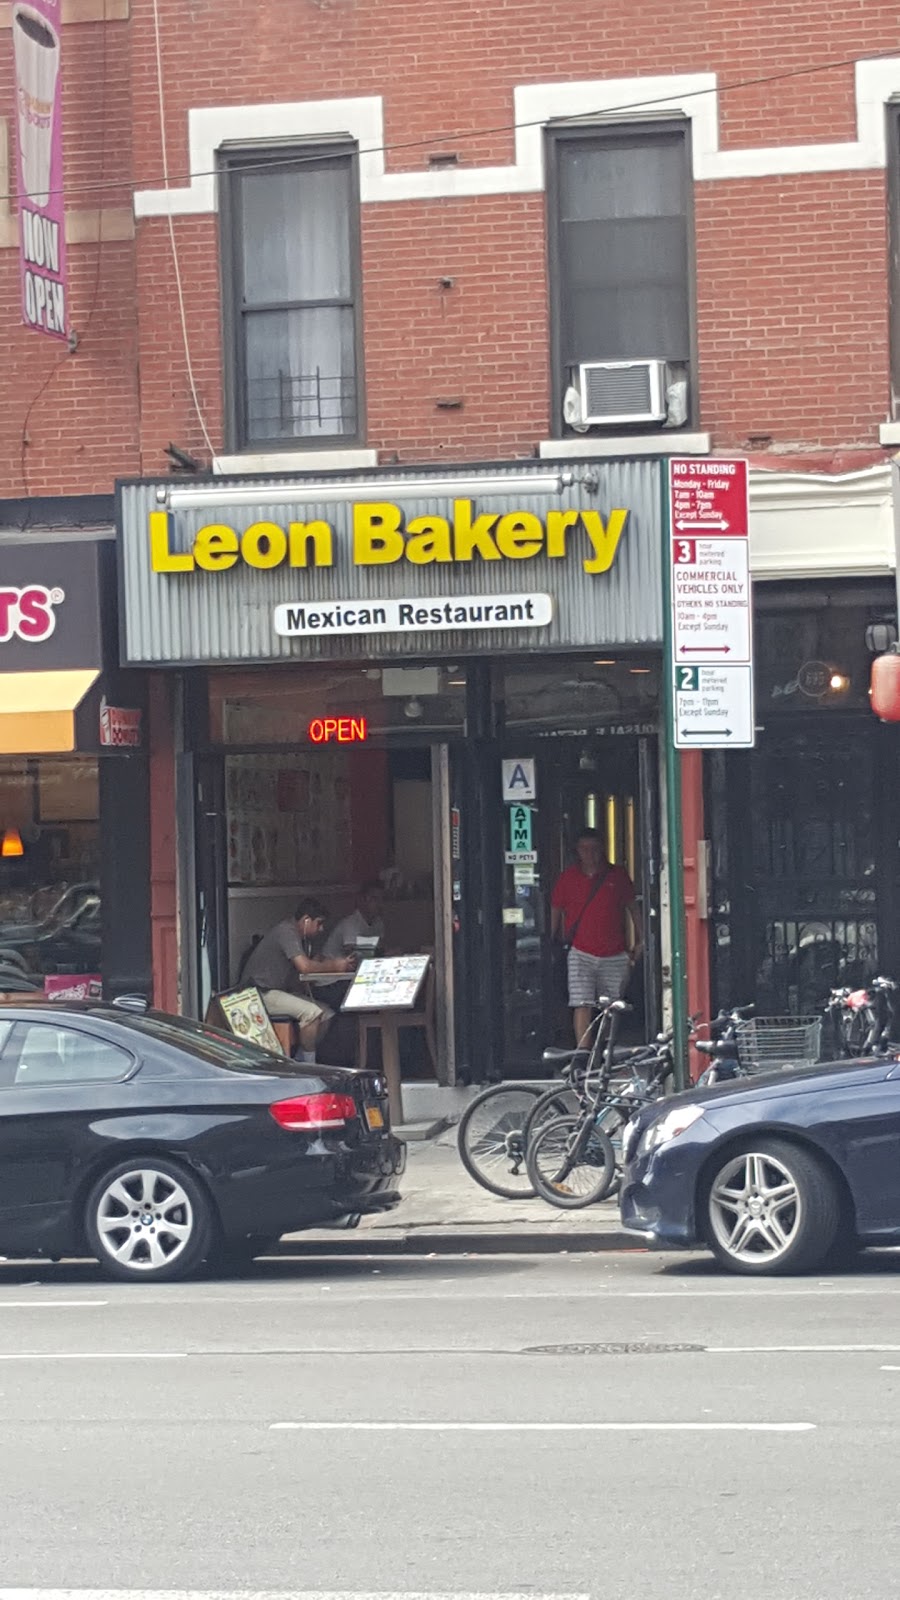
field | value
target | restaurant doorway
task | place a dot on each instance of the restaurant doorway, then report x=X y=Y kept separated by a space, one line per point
x=605 y=782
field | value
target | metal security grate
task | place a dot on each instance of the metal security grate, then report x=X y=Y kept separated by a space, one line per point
x=289 y=405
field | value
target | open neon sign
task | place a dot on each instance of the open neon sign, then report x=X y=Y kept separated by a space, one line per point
x=338 y=730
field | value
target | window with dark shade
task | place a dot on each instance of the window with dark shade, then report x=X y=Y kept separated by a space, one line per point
x=291 y=253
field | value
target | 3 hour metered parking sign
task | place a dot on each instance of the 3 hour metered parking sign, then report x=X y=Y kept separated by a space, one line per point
x=712 y=623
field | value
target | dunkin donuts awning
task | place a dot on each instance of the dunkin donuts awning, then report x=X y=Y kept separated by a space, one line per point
x=37 y=710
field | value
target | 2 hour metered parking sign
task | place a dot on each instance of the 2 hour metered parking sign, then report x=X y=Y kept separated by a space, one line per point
x=714 y=708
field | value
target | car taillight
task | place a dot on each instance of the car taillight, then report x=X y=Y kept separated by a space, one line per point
x=306 y=1112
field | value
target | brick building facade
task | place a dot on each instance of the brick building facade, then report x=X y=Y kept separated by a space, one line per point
x=456 y=293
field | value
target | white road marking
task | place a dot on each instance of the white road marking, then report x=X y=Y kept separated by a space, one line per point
x=39 y=1305
x=801 y=1349
x=98 y=1355
x=291 y=1295
x=540 y=1427
x=267 y=1594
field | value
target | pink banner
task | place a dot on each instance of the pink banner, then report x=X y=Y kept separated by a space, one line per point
x=42 y=232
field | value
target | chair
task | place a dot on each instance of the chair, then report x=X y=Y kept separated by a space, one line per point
x=286 y=1032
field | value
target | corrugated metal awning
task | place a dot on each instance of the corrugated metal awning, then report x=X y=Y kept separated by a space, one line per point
x=37 y=710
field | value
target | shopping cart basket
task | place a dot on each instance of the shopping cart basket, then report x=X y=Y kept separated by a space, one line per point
x=778 y=1044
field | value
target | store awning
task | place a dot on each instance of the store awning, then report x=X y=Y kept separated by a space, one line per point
x=37 y=710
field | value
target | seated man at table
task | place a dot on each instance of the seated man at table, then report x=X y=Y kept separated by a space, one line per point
x=281 y=959
x=366 y=923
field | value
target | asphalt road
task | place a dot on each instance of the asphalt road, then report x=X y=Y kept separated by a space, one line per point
x=616 y=1425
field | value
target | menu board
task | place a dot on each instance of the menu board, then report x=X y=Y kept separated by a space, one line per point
x=388 y=983
x=245 y=1015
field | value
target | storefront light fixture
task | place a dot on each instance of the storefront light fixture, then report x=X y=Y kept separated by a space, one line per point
x=838 y=681
x=11 y=844
x=638 y=671
x=605 y=663
x=202 y=497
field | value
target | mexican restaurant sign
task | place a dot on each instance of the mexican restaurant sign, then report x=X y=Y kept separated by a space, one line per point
x=382 y=536
x=270 y=575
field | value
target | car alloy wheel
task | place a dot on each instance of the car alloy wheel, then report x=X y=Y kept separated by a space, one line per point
x=755 y=1207
x=773 y=1207
x=148 y=1219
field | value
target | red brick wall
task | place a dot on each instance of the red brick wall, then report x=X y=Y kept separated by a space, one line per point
x=69 y=422
x=792 y=272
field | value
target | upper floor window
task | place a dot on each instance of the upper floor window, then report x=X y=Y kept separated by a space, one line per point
x=621 y=271
x=290 y=252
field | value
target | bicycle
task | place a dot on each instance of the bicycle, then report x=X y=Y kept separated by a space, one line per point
x=862 y=1019
x=573 y=1161
x=490 y=1138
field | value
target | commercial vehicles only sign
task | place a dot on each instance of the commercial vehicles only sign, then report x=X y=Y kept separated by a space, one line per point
x=712 y=624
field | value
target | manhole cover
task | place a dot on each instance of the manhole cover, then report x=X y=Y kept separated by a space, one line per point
x=613 y=1349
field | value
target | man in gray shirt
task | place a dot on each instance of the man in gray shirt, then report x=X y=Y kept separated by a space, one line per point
x=274 y=964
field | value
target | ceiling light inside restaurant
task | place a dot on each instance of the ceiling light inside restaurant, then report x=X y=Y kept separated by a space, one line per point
x=12 y=843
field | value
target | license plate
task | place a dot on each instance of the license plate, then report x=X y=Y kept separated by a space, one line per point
x=374 y=1118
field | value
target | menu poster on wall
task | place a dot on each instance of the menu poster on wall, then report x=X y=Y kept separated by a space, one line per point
x=287 y=823
x=386 y=983
x=246 y=1017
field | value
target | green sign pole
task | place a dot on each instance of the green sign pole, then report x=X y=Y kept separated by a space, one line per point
x=674 y=842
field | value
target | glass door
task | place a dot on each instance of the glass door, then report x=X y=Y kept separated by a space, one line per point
x=552 y=790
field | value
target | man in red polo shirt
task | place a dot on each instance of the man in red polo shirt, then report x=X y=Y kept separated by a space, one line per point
x=589 y=903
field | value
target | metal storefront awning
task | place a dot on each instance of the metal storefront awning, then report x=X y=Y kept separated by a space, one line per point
x=37 y=710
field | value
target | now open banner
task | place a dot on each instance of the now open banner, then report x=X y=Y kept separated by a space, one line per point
x=42 y=234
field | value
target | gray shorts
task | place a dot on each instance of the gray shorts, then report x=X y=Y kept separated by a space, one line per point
x=593 y=977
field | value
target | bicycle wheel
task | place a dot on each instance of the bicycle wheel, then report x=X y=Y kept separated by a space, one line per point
x=554 y=1103
x=490 y=1139
x=571 y=1163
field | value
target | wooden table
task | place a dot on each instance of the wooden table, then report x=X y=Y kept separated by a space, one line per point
x=387 y=1024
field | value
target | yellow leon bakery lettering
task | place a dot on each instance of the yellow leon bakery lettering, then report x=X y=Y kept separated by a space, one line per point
x=382 y=537
x=469 y=536
x=557 y=524
x=264 y=545
x=377 y=539
x=162 y=559
x=428 y=539
x=520 y=536
x=604 y=538
x=216 y=547
x=318 y=536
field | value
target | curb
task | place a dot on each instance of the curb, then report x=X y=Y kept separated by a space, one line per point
x=421 y=1242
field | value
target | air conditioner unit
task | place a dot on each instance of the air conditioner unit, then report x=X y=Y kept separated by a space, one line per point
x=613 y=392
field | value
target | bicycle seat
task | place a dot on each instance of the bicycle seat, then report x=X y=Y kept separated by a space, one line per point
x=556 y=1057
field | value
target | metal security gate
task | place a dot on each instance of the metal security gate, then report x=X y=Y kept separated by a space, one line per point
x=806 y=848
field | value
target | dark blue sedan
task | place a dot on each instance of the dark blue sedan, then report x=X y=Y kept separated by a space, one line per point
x=775 y=1173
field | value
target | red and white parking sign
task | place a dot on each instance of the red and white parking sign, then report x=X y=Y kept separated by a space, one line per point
x=709 y=497
x=712 y=626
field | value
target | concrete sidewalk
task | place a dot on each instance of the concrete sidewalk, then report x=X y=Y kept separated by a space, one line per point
x=443 y=1209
